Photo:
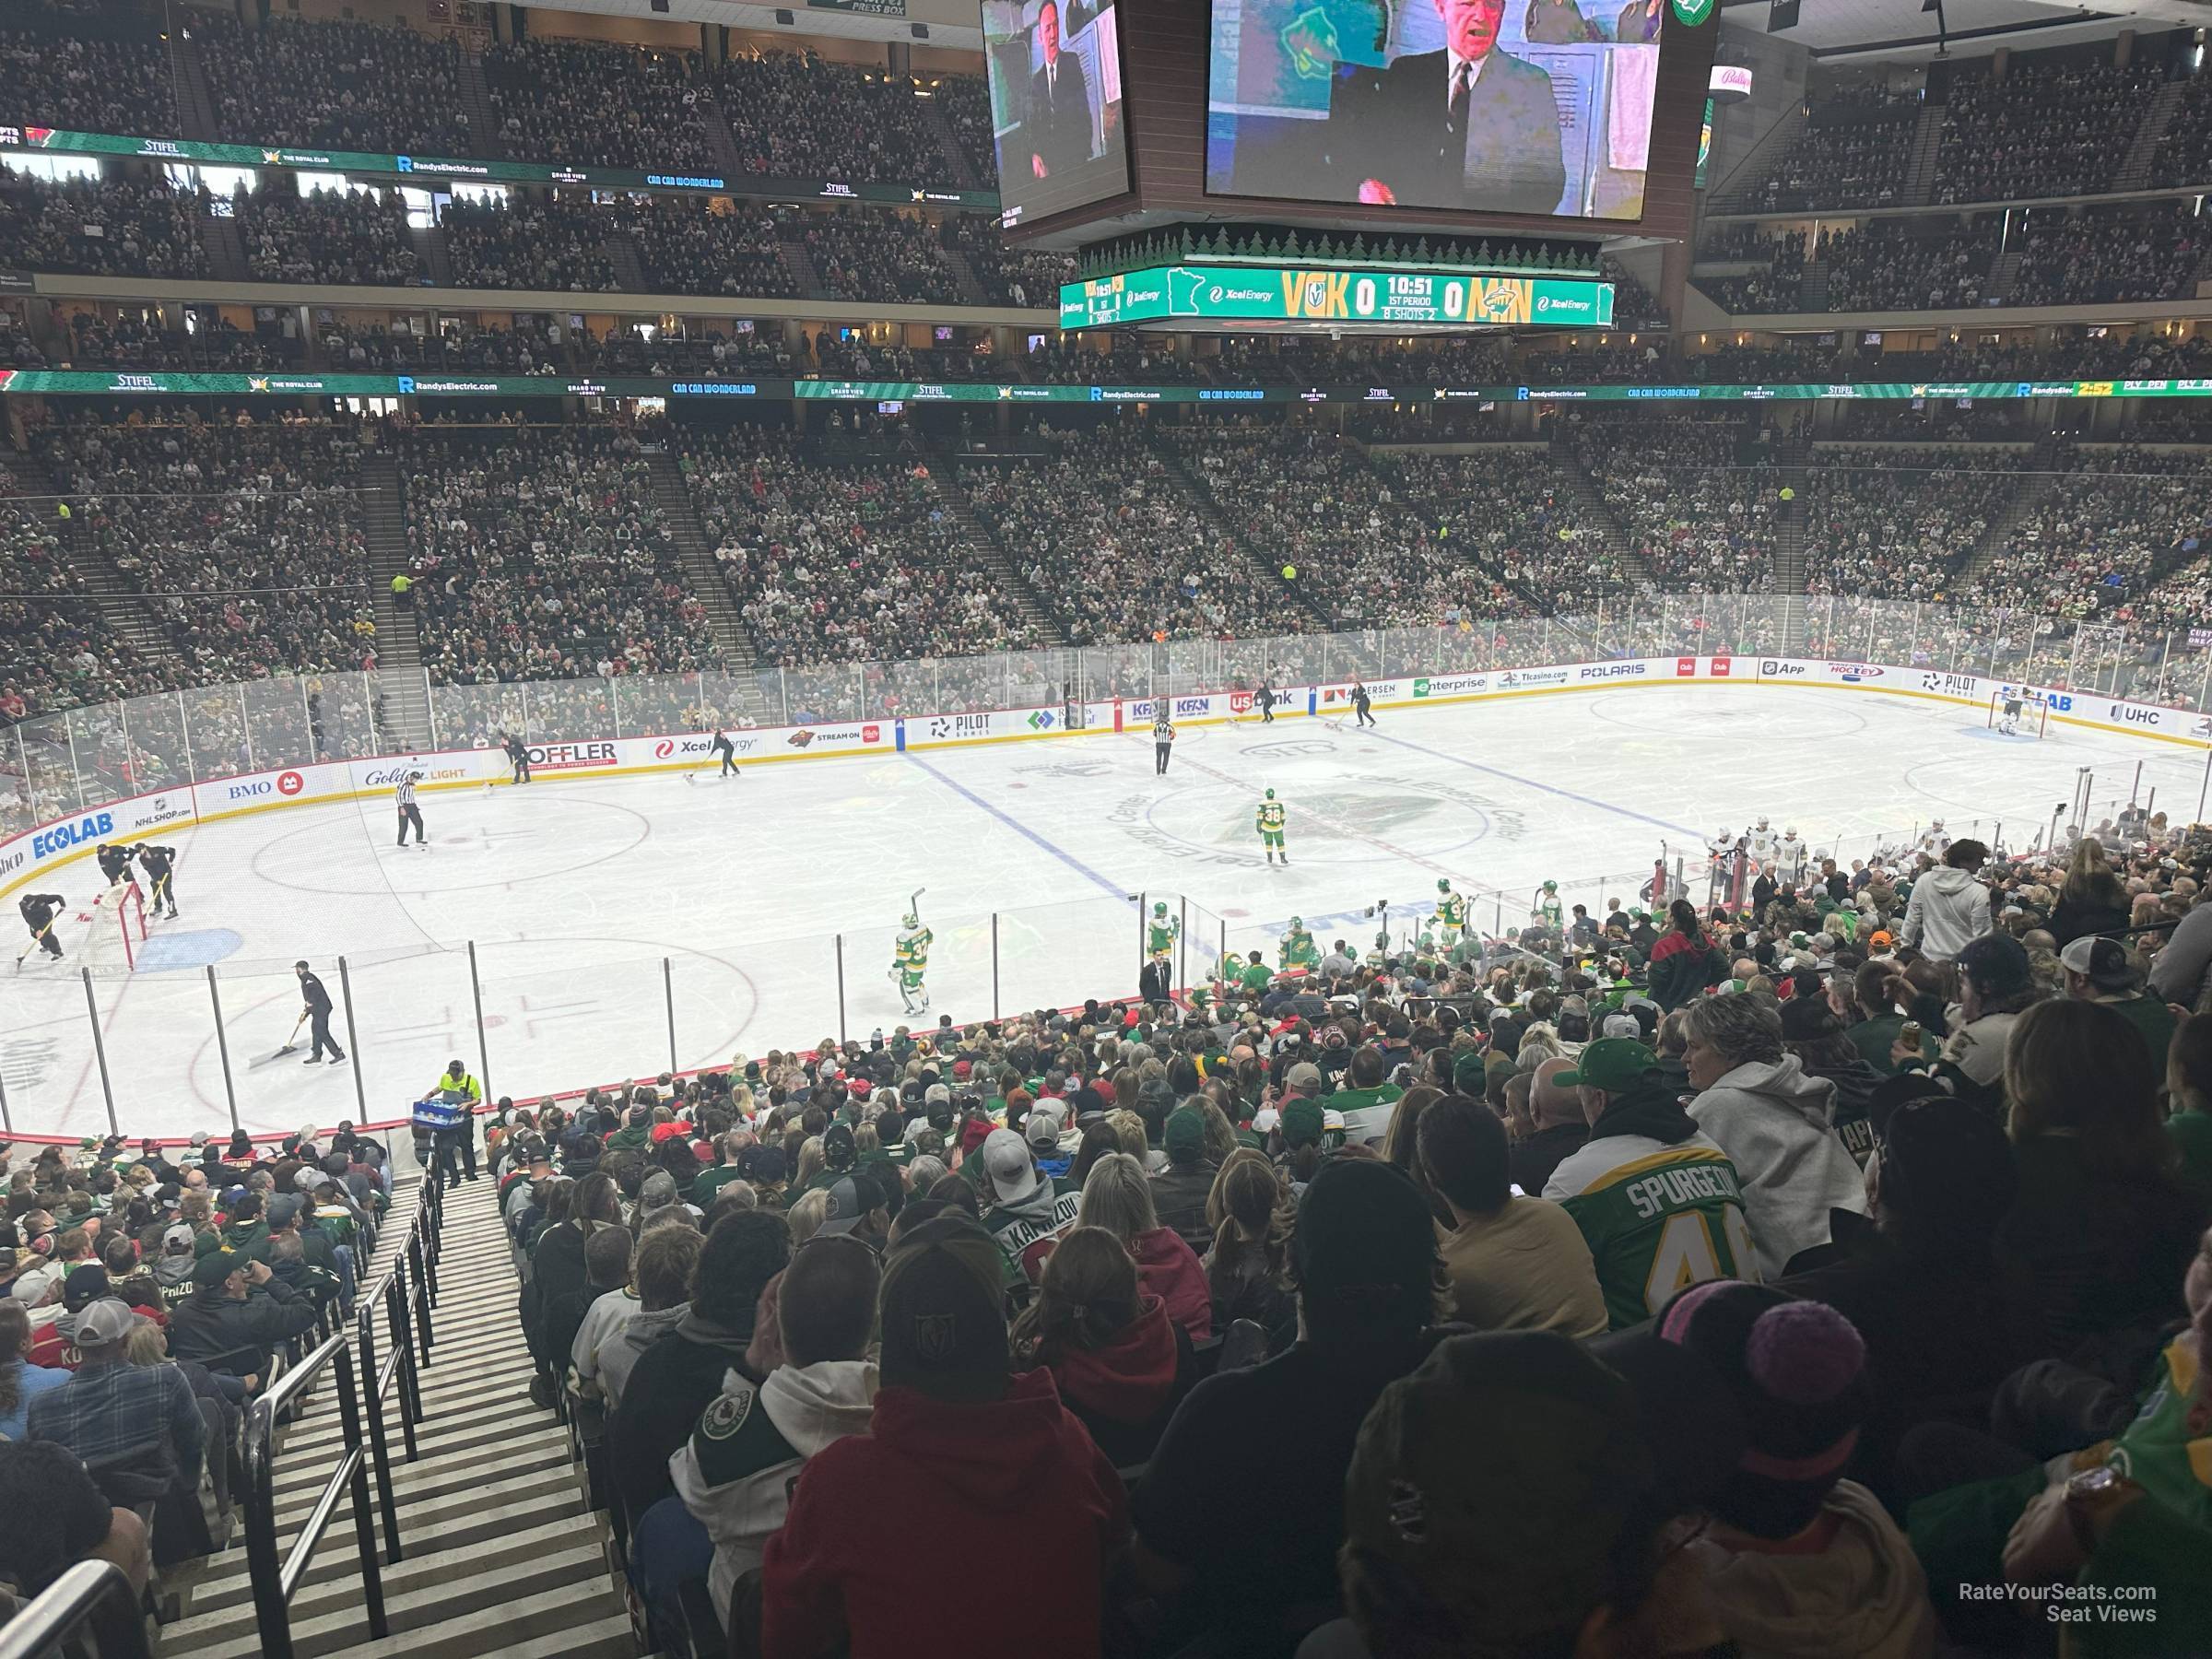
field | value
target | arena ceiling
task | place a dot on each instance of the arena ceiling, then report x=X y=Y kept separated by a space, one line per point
x=1906 y=30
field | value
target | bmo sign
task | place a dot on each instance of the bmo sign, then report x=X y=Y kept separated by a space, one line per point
x=290 y=783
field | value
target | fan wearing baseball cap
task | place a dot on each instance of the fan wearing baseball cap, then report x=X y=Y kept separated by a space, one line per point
x=1658 y=1202
x=2100 y=969
x=138 y=1421
x=1024 y=1214
x=963 y=1460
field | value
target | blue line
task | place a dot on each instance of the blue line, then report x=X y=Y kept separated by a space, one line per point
x=1022 y=829
x=1552 y=789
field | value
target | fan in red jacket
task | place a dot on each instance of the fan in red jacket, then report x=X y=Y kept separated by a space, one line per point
x=961 y=1457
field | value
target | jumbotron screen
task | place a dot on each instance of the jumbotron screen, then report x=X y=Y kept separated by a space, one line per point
x=1055 y=68
x=1488 y=106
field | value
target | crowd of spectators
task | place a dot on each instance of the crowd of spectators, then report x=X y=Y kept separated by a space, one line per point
x=59 y=651
x=86 y=69
x=1509 y=511
x=831 y=562
x=1901 y=524
x=243 y=538
x=102 y=227
x=1700 y=516
x=1010 y=275
x=348 y=238
x=797 y=115
x=542 y=553
x=454 y=346
x=1113 y=546
x=2184 y=152
x=591 y=105
x=1880 y=268
x=2047 y=129
x=141 y=341
x=332 y=85
x=1310 y=501
x=557 y=244
x=684 y=248
x=1932 y=1127
x=1772 y=290
x=2110 y=522
x=887 y=256
x=965 y=103
x=1855 y=152
x=2103 y=256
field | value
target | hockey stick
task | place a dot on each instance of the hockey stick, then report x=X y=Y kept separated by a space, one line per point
x=37 y=939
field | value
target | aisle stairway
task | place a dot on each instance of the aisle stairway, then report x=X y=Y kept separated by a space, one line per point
x=1567 y=463
x=501 y=1556
x=732 y=643
x=405 y=701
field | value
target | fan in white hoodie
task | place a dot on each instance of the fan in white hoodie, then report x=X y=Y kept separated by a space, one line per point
x=1949 y=905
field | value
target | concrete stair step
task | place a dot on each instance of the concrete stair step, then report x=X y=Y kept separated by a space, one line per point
x=549 y=1596
x=449 y=1567
x=536 y=1454
x=459 y=1425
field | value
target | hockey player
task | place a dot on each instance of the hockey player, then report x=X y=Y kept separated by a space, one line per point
x=160 y=866
x=402 y=797
x=910 y=961
x=1361 y=704
x=1935 y=844
x=1720 y=864
x=728 y=751
x=1548 y=909
x=1161 y=933
x=1163 y=740
x=1789 y=856
x=2009 y=723
x=1763 y=841
x=518 y=757
x=1297 y=948
x=1270 y=825
x=1450 y=908
x=38 y=911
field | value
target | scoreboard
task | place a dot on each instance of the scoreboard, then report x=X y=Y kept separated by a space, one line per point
x=1192 y=295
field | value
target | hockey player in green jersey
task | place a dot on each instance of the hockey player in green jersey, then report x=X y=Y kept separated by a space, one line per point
x=1548 y=906
x=1658 y=1203
x=1161 y=933
x=1298 y=949
x=1450 y=908
x=1269 y=822
x=910 y=961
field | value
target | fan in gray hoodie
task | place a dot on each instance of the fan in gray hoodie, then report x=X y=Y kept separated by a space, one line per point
x=1949 y=905
x=1774 y=1122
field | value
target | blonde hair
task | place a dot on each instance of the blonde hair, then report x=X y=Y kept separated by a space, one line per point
x=807 y=1215
x=1118 y=1197
x=812 y=1160
x=1129 y=1130
x=148 y=1343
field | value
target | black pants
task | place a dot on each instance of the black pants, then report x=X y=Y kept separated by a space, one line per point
x=318 y=1025
x=1365 y=718
x=521 y=769
x=1160 y=757
x=729 y=762
x=410 y=814
x=1266 y=714
x=47 y=942
x=164 y=896
x=467 y=1136
x=447 y=1143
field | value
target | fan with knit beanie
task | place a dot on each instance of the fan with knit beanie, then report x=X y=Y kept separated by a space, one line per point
x=1799 y=1560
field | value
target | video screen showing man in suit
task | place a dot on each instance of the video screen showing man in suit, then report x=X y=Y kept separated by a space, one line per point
x=1498 y=106
x=1055 y=76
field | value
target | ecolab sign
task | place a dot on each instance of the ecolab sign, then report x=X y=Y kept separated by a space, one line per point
x=570 y=757
x=76 y=833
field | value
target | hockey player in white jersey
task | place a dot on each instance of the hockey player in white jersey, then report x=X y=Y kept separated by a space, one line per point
x=1789 y=856
x=1763 y=841
x=1933 y=843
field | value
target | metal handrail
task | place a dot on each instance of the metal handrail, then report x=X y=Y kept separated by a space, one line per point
x=274 y=1581
x=90 y=1593
x=404 y=1293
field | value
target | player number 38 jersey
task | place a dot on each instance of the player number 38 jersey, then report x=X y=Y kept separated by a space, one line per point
x=1656 y=1223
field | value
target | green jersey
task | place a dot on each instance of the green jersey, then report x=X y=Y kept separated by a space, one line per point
x=1658 y=1220
x=1452 y=910
x=1299 y=952
x=1548 y=907
x=1254 y=976
x=1160 y=936
x=1271 y=818
x=911 y=951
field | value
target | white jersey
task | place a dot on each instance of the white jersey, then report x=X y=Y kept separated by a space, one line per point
x=1764 y=842
x=1935 y=844
x=1721 y=849
x=1789 y=854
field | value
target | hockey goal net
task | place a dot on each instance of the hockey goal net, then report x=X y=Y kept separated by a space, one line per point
x=2017 y=712
x=113 y=927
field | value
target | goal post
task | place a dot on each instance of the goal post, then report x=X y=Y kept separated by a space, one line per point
x=2029 y=720
x=115 y=929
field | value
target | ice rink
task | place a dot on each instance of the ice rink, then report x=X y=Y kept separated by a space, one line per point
x=604 y=912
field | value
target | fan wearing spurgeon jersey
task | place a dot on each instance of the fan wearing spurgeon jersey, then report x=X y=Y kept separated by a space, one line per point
x=1658 y=1203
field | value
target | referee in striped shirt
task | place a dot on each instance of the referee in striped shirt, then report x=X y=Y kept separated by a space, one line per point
x=408 y=812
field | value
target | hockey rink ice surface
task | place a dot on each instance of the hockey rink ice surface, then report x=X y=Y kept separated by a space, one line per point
x=598 y=905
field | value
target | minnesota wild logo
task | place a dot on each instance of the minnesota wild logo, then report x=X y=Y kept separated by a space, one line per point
x=1690 y=13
